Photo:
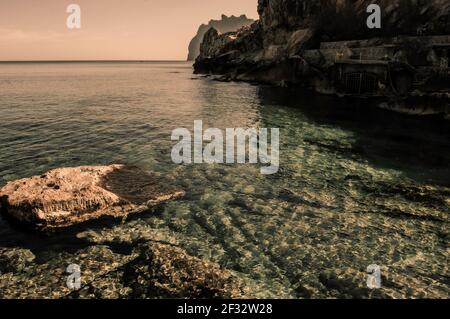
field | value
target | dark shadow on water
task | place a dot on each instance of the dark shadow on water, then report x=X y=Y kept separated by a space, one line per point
x=419 y=146
x=15 y=235
x=134 y=184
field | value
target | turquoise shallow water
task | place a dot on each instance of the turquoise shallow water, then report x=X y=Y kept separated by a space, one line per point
x=357 y=185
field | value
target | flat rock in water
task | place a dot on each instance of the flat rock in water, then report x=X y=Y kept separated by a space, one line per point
x=67 y=196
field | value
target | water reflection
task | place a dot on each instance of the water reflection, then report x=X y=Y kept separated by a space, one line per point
x=357 y=185
x=417 y=146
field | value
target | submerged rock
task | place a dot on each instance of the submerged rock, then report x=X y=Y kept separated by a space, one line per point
x=27 y=276
x=149 y=270
x=165 y=271
x=15 y=259
x=67 y=196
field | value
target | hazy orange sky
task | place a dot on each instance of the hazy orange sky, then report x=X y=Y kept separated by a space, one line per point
x=110 y=29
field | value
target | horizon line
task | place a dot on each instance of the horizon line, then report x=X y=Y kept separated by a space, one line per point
x=78 y=61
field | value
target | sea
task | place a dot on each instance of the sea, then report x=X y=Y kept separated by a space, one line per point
x=357 y=185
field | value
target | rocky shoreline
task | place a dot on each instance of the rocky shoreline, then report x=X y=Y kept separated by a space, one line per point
x=319 y=45
x=152 y=267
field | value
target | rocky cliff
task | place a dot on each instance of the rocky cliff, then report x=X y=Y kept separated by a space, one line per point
x=225 y=24
x=300 y=41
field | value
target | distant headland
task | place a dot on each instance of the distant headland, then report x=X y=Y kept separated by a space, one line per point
x=224 y=25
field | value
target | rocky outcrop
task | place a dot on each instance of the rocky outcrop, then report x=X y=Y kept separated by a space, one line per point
x=224 y=25
x=67 y=196
x=163 y=271
x=284 y=46
x=346 y=18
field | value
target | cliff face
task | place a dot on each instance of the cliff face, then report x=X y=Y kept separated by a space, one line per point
x=294 y=41
x=300 y=12
x=225 y=24
x=346 y=19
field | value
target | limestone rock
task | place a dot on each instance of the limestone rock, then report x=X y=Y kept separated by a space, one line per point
x=224 y=25
x=293 y=26
x=213 y=43
x=67 y=196
x=297 y=42
x=409 y=16
x=164 y=271
x=15 y=259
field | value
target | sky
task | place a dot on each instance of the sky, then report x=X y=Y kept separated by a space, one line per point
x=110 y=29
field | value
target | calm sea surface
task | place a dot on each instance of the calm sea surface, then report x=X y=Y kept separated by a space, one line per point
x=357 y=185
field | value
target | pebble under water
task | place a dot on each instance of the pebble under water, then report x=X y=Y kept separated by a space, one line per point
x=357 y=185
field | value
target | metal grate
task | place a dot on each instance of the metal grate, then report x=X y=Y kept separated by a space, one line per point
x=360 y=83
